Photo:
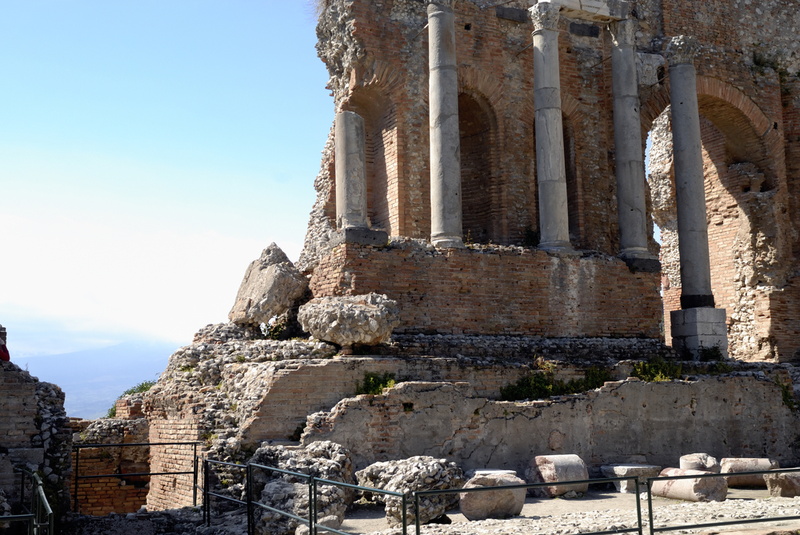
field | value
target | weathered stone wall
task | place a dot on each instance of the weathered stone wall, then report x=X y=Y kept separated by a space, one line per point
x=34 y=433
x=498 y=290
x=103 y=495
x=624 y=421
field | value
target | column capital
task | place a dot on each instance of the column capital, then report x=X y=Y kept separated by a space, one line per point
x=623 y=32
x=545 y=16
x=682 y=49
x=447 y=4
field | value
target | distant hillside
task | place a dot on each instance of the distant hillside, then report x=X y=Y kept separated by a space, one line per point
x=93 y=379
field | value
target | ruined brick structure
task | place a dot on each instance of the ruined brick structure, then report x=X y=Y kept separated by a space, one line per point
x=386 y=68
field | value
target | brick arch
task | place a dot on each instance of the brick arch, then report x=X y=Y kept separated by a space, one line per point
x=750 y=135
x=573 y=117
x=380 y=131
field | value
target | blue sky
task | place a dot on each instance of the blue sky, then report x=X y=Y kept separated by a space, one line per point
x=149 y=150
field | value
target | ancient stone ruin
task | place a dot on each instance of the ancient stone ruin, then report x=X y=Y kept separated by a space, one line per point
x=484 y=225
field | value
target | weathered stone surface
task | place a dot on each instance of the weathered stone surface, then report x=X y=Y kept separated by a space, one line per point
x=555 y=468
x=414 y=474
x=325 y=460
x=730 y=465
x=643 y=471
x=783 y=485
x=271 y=286
x=700 y=489
x=699 y=461
x=492 y=504
x=347 y=320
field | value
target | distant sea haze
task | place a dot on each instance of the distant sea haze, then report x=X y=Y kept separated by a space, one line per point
x=93 y=379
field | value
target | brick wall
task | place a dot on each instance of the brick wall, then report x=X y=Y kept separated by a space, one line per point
x=496 y=290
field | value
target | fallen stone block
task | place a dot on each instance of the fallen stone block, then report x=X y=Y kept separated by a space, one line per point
x=495 y=503
x=783 y=485
x=643 y=471
x=731 y=465
x=555 y=468
x=350 y=319
x=699 y=489
x=699 y=461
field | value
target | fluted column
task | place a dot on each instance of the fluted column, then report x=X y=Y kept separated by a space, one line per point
x=550 y=169
x=689 y=188
x=445 y=151
x=631 y=208
x=351 y=178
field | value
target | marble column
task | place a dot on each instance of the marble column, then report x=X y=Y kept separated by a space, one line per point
x=550 y=168
x=698 y=327
x=631 y=208
x=351 y=178
x=689 y=187
x=445 y=138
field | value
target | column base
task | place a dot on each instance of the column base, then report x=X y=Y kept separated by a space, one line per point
x=640 y=261
x=556 y=247
x=360 y=236
x=700 y=333
x=448 y=242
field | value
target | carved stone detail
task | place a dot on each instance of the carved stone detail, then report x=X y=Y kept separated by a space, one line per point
x=682 y=49
x=545 y=16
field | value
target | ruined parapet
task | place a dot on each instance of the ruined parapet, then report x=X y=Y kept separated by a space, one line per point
x=34 y=434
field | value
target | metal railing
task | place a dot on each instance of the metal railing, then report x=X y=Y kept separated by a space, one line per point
x=120 y=475
x=38 y=514
x=653 y=529
x=411 y=501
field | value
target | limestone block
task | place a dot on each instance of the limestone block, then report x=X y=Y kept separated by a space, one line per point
x=730 y=465
x=351 y=319
x=700 y=489
x=699 y=461
x=271 y=286
x=642 y=471
x=496 y=503
x=414 y=474
x=783 y=485
x=555 y=468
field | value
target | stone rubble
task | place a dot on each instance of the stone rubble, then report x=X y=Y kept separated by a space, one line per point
x=408 y=475
x=783 y=485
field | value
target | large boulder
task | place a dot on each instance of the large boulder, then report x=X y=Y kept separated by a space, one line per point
x=499 y=503
x=409 y=475
x=783 y=485
x=350 y=319
x=325 y=460
x=271 y=287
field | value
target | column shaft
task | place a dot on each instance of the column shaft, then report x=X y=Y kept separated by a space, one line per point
x=550 y=168
x=629 y=156
x=351 y=177
x=689 y=186
x=445 y=138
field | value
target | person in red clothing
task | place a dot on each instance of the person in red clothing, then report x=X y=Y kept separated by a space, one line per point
x=4 y=356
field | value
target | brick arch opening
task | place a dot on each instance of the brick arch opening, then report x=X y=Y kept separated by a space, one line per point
x=380 y=132
x=574 y=200
x=480 y=186
x=740 y=175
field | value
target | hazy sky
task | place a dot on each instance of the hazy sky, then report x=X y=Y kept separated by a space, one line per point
x=149 y=150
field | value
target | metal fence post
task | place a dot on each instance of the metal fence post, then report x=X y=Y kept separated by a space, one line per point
x=312 y=505
x=638 y=505
x=206 y=496
x=650 y=506
x=194 y=475
x=251 y=528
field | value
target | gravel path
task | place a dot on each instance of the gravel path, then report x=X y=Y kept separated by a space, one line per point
x=602 y=512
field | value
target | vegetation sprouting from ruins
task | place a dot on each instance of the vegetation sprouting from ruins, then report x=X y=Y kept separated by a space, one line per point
x=374 y=383
x=657 y=369
x=144 y=386
x=543 y=384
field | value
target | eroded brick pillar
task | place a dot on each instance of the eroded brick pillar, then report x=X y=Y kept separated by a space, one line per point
x=445 y=138
x=550 y=168
x=698 y=325
x=629 y=159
